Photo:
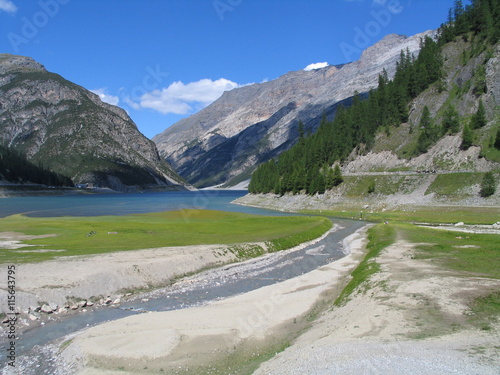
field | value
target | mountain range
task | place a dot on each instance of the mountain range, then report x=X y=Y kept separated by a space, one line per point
x=70 y=131
x=249 y=125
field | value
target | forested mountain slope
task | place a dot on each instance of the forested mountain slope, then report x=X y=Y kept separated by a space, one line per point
x=440 y=114
x=70 y=131
x=15 y=168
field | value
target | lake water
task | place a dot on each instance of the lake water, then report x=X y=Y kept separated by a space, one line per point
x=123 y=204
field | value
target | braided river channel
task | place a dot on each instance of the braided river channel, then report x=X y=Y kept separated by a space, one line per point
x=214 y=284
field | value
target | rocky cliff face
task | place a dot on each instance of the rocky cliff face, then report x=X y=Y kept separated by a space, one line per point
x=70 y=130
x=251 y=124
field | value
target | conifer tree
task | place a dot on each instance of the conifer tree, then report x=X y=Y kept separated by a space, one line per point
x=451 y=122
x=467 y=137
x=488 y=187
x=301 y=131
x=277 y=187
x=429 y=132
x=371 y=187
x=329 y=179
x=337 y=176
x=497 y=140
x=459 y=17
x=481 y=87
x=479 y=118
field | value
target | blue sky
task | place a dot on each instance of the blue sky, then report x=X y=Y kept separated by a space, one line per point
x=163 y=60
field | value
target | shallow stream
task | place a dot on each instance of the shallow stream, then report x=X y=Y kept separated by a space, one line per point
x=202 y=288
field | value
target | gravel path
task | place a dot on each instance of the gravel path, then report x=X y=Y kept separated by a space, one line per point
x=395 y=358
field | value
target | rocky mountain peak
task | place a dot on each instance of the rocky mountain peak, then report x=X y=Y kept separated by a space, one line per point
x=68 y=129
x=10 y=62
x=392 y=44
x=248 y=125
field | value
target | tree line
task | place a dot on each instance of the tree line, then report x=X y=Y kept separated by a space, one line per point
x=14 y=167
x=481 y=17
x=306 y=167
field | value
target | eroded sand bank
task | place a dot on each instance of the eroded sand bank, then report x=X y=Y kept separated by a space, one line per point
x=198 y=337
x=395 y=326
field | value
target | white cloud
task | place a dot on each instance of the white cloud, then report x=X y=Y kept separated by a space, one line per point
x=180 y=98
x=316 y=66
x=7 y=6
x=131 y=103
x=106 y=98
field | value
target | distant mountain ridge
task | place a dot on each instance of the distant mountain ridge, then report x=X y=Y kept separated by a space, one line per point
x=251 y=124
x=69 y=130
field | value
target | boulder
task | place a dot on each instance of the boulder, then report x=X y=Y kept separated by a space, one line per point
x=46 y=309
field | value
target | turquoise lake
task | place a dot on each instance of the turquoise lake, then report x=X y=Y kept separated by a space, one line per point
x=123 y=204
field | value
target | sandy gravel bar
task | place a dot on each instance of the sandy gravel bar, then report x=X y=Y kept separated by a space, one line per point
x=193 y=337
x=110 y=274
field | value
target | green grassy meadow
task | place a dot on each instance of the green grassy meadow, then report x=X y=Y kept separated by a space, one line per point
x=472 y=254
x=418 y=214
x=101 y=234
x=467 y=255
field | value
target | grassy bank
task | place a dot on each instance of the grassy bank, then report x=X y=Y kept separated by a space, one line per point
x=418 y=214
x=472 y=254
x=95 y=235
x=379 y=237
x=469 y=255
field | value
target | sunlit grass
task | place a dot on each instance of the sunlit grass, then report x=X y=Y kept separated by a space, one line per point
x=418 y=214
x=379 y=237
x=470 y=253
x=94 y=235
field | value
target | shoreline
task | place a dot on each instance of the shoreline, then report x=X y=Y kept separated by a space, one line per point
x=338 y=202
x=33 y=190
x=106 y=279
x=294 y=326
